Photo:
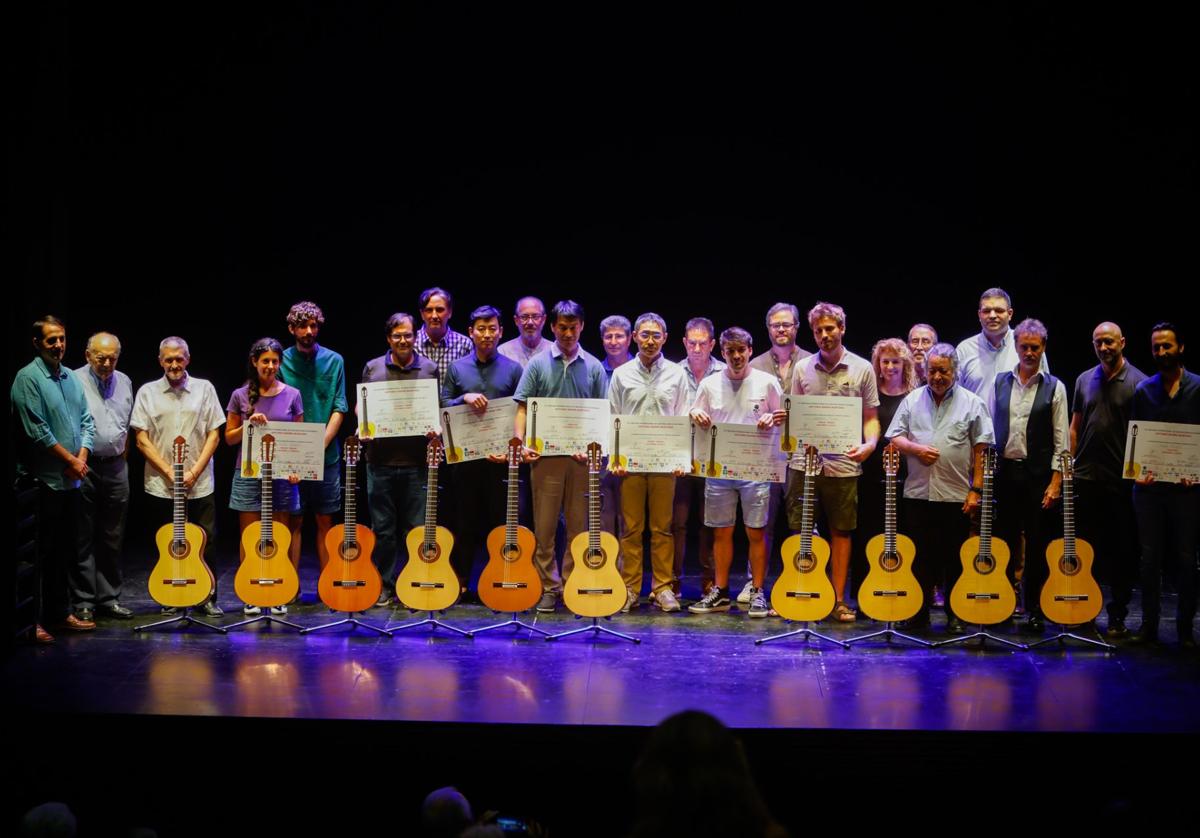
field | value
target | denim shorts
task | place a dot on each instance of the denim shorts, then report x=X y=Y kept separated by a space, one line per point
x=323 y=496
x=721 y=498
x=246 y=495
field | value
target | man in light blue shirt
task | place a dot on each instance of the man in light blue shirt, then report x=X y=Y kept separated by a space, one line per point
x=104 y=490
x=58 y=433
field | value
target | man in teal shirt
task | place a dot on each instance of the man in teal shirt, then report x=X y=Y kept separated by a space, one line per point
x=49 y=403
x=320 y=376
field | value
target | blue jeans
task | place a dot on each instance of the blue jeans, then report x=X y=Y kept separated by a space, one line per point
x=396 y=496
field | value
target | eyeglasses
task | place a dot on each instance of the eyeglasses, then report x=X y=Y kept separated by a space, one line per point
x=649 y=335
x=398 y=336
x=782 y=327
x=530 y=318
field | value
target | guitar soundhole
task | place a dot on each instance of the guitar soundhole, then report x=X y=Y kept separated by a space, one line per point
x=984 y=564
x=429 y=552
x=594 y=559
x=350 y=552
x=1069 y=565
x=805 y=562
x=179 y=549
x=266 y=549
x=510 y=553
x=890 y=562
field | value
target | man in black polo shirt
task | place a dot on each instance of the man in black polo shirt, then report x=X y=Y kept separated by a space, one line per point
x=1099 y=418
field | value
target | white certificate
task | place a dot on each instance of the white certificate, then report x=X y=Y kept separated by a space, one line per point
x=740 y=452
x=397 y=408
x=1169 y=449
x=831 y=423
x=565 y=426
x=299 y=449
x=650 y=443
x=472 y=436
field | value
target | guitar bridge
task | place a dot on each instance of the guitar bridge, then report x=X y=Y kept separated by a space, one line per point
x=179 y=583
x=428 y=585
x=510 y=586
x=349 y=583
x=984 y=597
x=890 y=593
x=803 y=595
x=1071 y=598
x=266 y=583
x=595 y=590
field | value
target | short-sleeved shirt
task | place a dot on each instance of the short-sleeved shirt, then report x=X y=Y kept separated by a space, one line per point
x=551 y=376
x=1103 y=406
x=191 y=411
x=660 y=390
x=851 y=376
x=401 y=451
x=52 y=410
x=1151 y=402
x=321 y=380
x=110 y=403
x=979 y=362
x=714 y=366
x=284 y=406
x=954 y=427
x=767 y=363
x=739 y=402
x=516 y=350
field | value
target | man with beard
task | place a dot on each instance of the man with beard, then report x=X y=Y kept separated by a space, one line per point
x=921 y=337
x=529 y=317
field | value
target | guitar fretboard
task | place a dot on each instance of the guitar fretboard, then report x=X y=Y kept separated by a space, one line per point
x=806 y=516
x=889 y=514
x=350 y=524
x=510 y=515
x=1068 y=500
x=266 y=536
x=985 y=503
x=431 y=506
x=179 y=505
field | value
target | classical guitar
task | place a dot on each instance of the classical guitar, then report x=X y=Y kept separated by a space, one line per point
x=428 y=581
x=982 y=594
x=890 y=592
x=454 y=454
x=803 y=591
x=367 y=424
x=181 y=578
x=787 y=442
x=615 y=458
x=595 y=587
x=510 y=582
x=350 y=581
x=696 y=467
x=714 y=468
x=534 y=443
x=266 y=577
x=1132 y=469
x=249 y=467
x=1070 y=596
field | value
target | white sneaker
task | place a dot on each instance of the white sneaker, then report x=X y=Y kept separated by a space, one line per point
x=631 y=602
x=666 y=600
x=747 y=593
x=278 y=609
x=758 y=603
x=251 y=610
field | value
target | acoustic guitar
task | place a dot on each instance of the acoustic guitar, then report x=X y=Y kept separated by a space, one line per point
x=428 y=581
x=536 y=444
x=367 y=424
x=454 y=454
x=696 y=466
x=982 y=594
x=510 y=582
x=787 y=443
x=350 y=581
x=181 y=578
x=890 y=592
x=616 y=459
x=595 y=587
x=803 y=591
x=1070 y=596
x=249 y=467
x=266 y=577
x=714 y=469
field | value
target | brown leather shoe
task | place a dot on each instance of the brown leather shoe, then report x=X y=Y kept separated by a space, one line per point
x=76 y=623
x=40 y=635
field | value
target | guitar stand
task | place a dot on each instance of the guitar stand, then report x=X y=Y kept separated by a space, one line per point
x=186 y=618
x=512 y=621
x=1063 y=636
x=595 y=628
x=805 y=633
x=433 y=622
x=351 y=620
x=887 y=632
x=267 y=618
x=984 y=637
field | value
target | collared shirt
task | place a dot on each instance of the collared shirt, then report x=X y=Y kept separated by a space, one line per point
x=496 y=378
x=1103 y=406
x=1020 y=405
x=52 y=409
x=609 y=369
x=1152 y=404
x=954 y=427
x=110 y=403
x=979 y=362
x=660 y=390
x=321 y=380
x=551 y=375
x=454 y=345
x=191 y=411
x=738 y=402
x=769 y=364
x=714 y=366
x=516 y=350
x=851 y=376
x=402 y=450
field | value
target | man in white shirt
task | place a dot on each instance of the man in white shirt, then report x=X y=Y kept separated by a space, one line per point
x=983 y=356
x=530 y=317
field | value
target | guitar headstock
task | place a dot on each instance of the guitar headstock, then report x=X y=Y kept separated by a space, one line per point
x=891 y=460
x=593 y=453
x=617 y=423
x=433 y=452
x=989 y=461
x=352 y=444
x=812 y=460
x=514 y=451
x=1067 y=463
x=179 y=448
x=268 y=448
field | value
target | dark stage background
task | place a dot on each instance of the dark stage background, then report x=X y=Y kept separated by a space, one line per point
x=195 y=170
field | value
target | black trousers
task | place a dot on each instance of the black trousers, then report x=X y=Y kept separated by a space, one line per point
x=58 y=551
x=481 y=500
x=938 y=528
x=1105 y=520
x=1019 y=510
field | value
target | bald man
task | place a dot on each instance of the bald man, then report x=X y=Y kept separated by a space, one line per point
x=1100 y=413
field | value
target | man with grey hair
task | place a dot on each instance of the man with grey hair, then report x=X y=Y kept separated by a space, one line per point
x=1030 y=415
x=529 y=317
x=649 y=386
x=615 y=337
x=178 y=405
x=104 y=490
x=984 y=356
x=921 y=337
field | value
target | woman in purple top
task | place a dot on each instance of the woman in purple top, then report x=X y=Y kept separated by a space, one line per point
x=263 y=398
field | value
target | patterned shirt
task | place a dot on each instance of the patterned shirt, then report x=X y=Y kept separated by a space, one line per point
x=454 y=345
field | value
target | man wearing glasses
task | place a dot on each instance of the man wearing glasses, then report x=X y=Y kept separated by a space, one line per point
x=530 y=317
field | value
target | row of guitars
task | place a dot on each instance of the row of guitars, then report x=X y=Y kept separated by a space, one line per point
x=351 y=583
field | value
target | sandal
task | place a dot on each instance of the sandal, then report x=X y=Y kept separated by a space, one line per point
x=843 y=613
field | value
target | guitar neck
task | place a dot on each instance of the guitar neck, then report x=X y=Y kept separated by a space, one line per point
x=889 y=514
x=179 y=504
x=350 y=523
x=510 y=516
x=985 y=514
x=593 y=509
x=268 y=497
x=1068 y=501
x=806 y=516
x=431 y=506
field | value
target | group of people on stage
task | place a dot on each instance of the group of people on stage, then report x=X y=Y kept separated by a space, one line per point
x=939 y=404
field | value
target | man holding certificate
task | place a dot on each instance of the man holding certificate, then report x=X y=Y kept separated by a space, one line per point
x=650 y=385
x=1171 y=395
x=396 y=469
x=836 y=371
x=477 y=380
x=740 y=395
x=567 y=371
